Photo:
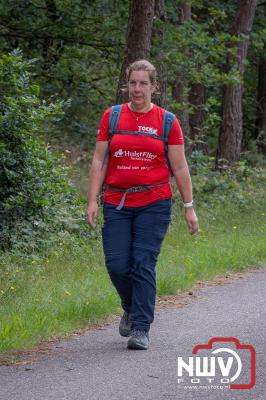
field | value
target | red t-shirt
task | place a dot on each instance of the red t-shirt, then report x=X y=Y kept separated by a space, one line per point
x=138 y=160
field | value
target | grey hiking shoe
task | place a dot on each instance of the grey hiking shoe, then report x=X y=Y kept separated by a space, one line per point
x=139 y=340
x=125 y=325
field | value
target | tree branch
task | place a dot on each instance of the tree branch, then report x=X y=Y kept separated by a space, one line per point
x=59 y=37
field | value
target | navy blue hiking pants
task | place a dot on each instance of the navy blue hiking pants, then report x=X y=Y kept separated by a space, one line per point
x=132 y=238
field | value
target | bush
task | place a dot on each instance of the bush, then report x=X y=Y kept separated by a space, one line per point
x=35 y=193
x=235 y=185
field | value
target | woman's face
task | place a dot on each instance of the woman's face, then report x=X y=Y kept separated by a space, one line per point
x=140 y=89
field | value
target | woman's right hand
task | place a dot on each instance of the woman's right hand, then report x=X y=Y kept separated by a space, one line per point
x=92 y=214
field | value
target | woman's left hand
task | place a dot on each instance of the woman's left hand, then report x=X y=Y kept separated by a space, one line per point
x=192 y=220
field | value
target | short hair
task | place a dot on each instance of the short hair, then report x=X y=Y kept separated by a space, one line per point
x=143 y=65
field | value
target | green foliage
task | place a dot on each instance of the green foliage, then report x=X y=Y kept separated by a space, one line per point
x=78 y=50
x=195 y=52
x=34 y=189
x=234 y=184
x=79 y=47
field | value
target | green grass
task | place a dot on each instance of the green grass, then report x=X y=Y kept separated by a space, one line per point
x=229 y=241
x=70 y=289
x=67 y=291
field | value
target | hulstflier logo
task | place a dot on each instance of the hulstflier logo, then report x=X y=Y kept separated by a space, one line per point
x=222 y=361
x=135 y=155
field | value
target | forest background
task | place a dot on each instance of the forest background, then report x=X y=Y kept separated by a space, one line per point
x=62 y=64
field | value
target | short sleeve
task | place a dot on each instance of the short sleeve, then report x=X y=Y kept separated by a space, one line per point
x=176 y=135
x=103 y=131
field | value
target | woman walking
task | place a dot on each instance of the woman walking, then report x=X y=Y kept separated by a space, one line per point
x=137 y=198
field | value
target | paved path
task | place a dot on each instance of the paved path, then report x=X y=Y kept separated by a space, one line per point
x=97 y=365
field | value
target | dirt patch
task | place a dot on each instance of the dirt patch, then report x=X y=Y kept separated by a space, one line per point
x=23 y=357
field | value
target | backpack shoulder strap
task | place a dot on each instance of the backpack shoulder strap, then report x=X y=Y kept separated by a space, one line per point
x=114 y=117
x=113 y=121
x=168 y=121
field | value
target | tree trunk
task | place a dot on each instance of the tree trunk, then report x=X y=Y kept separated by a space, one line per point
x=51 y=48
x=180 y=89
x=138 y=41
x=230 y=136
x=260 y=130
x=160 y=10
x=160 y=13
x=197 y=118
x=261 y=105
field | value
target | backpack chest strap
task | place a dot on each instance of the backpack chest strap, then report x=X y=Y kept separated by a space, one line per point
x=136 y=133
